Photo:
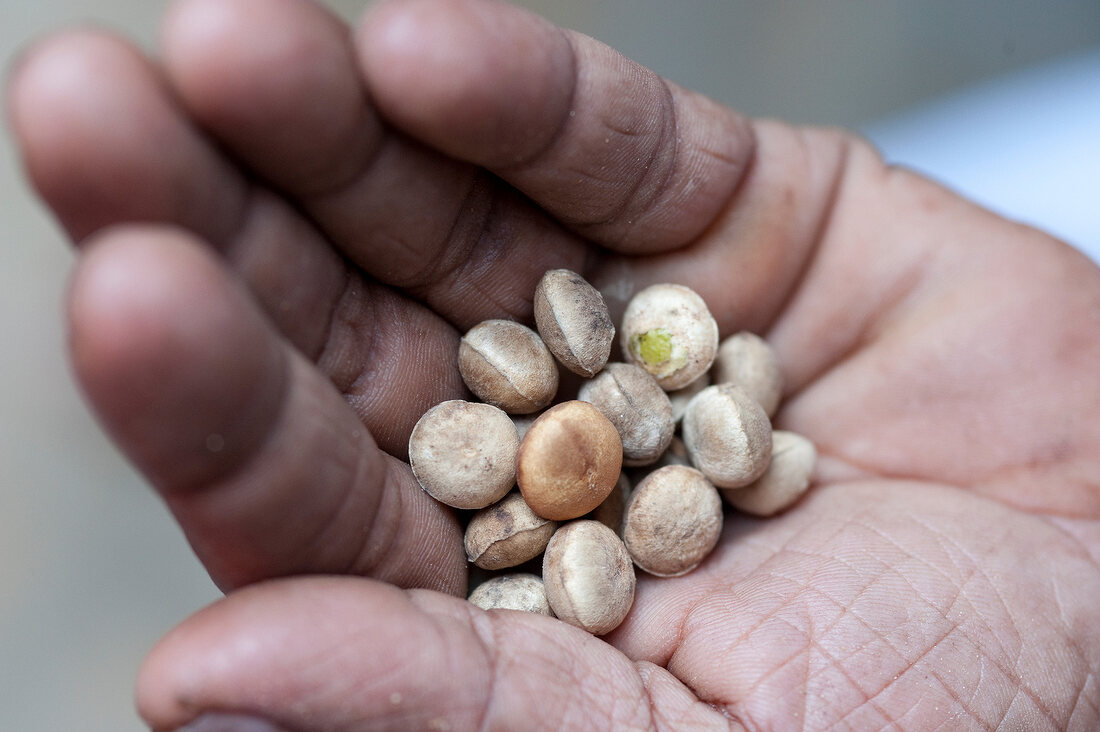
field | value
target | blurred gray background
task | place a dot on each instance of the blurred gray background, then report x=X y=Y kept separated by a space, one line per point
x=92 y=570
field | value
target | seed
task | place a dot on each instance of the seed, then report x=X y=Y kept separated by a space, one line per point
x=464 y=453
x=747 y=360
x=507 y=365
x=785 y=480
x=610 y=512
x=673 y=521
x=728 y=435
x=506 y=534
x=518 y=591
x=569 y=461
x=668 y=331
x=573 y=320
x=588 y=576
x=640 y=410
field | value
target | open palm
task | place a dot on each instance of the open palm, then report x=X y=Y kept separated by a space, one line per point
x=283 y=229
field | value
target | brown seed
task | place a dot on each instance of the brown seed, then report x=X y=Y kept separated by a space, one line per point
x=638 y=407
x=747 y=360
x=673 y=521
x=507 y=365
x=506 y=534
x=569 y=461
x=728 y=435
x=668 y=331
x=518 y=591
x=588 y=576
x=573 y=320
x=785 y=480
x=464 y=453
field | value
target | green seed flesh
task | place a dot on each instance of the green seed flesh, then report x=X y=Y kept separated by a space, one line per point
x=654 y=346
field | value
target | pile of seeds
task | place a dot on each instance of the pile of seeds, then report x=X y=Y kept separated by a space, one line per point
x=575 y=505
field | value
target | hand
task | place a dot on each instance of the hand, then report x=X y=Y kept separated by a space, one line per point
x=283 y=228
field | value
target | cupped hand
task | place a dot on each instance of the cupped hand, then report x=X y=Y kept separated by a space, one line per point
x=283 y=228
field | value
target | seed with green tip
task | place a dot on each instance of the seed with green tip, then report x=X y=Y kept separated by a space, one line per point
x=668 y=331
x=654 y=346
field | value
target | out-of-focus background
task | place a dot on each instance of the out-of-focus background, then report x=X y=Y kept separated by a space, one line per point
x=996 y=97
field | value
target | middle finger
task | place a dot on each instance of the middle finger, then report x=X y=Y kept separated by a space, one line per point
x=447 y=232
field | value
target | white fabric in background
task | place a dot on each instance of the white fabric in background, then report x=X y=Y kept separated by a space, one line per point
x=1026 y=146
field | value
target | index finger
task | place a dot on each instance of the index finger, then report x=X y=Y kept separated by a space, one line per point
x=612 y=150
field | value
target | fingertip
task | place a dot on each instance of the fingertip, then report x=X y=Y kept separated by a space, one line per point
x=101 y=141
x=285 y=650
x=197 y=29
x=212 y=650
x=162 y=686
x=171 y=353
x=56 y=66
x=54 y=91
x=276 y=81
x=484 y=81
x=260 y=459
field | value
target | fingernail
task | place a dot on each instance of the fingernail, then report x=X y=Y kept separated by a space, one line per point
x=230 y=723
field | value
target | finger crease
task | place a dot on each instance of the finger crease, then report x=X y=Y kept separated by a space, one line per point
x=560 y=131
x=470 y=221
x=327 y=529
x=821 y=227
x=329 y=353
x=483 y=627
x=377 y=540
x=337 y=187
x=670 y=128
x=660 y=159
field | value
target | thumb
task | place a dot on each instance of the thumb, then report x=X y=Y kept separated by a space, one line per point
x=346 y=653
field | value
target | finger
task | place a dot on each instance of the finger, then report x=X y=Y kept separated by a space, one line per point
x=734 y=209
x=342 y=654
x=751 y=262
x=276 y=82
x=608 y=147
x=104 y=143
x=99 y=143
x=264 y=465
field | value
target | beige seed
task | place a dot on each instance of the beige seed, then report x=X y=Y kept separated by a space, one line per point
x=589 y=577
x=464 y=453
x=673 y=521
x=506 y=534
x=635 y=403
x=573 y=320
x=786 y=479
x=520 y=591
x=727 y=435
x=569 y=461
x=747 y=360
x=507 y=365
x=668 y=331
